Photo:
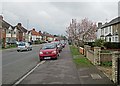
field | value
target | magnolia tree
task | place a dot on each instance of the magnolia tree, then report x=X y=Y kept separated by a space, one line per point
x=83 y=31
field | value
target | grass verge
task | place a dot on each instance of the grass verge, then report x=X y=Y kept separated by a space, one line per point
x=79 y=59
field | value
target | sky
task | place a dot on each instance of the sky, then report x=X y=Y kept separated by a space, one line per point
x=54 y=16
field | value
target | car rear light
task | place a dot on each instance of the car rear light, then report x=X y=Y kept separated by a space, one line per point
x=54 y=52
x=41 y=52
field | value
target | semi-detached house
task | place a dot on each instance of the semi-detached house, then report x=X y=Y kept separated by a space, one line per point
x=110 y=31
x=35 y=35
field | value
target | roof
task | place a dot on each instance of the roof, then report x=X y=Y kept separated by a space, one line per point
x=112 y=22
x=22 y=29
x=33 y=32
x=109 y=34
x=6 y=25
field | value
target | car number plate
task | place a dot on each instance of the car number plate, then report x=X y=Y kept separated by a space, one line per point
x=47 y=57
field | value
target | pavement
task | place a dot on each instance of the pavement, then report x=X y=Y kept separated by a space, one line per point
x=64 y=71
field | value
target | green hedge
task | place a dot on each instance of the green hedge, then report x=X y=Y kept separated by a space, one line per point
x=108 y=64
x=107 y=45
x=112 y=45
x=38 y=42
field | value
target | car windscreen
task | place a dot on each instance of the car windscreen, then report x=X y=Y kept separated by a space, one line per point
x=57 y=43
x=21 y=44
x=48 y=46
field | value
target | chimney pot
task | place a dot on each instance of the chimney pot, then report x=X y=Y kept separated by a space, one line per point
x=1 y=17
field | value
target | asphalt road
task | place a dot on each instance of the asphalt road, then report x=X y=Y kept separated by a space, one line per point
x=16 y=64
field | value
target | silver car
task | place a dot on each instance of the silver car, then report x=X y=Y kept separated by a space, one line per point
x=24 y=46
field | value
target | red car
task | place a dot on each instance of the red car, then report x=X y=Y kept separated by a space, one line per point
x=49 y=51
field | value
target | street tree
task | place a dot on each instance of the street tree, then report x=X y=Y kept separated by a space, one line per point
x=83 y=31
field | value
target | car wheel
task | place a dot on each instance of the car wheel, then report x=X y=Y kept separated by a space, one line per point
x=58 y=54
x=56 y=58
x=18 y=50
x=27 y=49
x=41 y=59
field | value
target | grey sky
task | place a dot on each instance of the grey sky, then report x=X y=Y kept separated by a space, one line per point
x=54 y=17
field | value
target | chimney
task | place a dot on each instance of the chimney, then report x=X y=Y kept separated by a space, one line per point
x=99 y=24
x=39 y=31
x=1 y=17
x=19 y=24
x=34 y=29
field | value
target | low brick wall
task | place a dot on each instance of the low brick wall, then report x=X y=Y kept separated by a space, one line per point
x=105 y=57
x=90 y=55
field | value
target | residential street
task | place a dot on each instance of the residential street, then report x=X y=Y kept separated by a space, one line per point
x=64 y=71
x=61 y=71
x=16 y=64
x=63 y=42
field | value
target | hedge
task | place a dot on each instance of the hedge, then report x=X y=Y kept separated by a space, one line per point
x=112 y=45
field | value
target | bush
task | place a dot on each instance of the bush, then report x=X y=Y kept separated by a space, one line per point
x=99 y=43
x=106 y=63
x=90 y=43
x=112 y=45
x=105 y=51
x=38 y=42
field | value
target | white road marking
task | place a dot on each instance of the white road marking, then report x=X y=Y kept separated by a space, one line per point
x=84 y=76
x=20 y=80
x=96 y=76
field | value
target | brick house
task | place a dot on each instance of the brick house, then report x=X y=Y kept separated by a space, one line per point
x=35 y=35
x=20 y=32
x=5 y=32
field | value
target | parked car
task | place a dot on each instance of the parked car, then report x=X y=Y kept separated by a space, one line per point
x=24 y=46
x=49 y=51
x=63 y=43
x=59 y=45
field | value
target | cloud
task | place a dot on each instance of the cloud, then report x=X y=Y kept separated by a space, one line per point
x=54 y=17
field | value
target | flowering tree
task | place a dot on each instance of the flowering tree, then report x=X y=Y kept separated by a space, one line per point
x=84 y=31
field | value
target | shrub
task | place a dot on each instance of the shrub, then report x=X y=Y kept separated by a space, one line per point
x=112 y=45
x=99 y=43
x=38 y=42
x=105 y=51
x=90 y=44
x=106 y=63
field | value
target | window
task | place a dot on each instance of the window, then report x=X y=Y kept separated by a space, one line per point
x=109 y=39
x=116 y=39
x=106 y=30
x=113 y=39
x=110 y=29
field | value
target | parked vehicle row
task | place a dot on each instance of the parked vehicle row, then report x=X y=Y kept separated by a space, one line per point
x=51 y=50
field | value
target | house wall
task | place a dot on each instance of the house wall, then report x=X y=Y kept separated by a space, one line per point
x=98 y=33
x=115 y=28
x=111 y=29
x=33 y=37
x=119 y=31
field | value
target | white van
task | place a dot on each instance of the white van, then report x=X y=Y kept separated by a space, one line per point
x=24 y=46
